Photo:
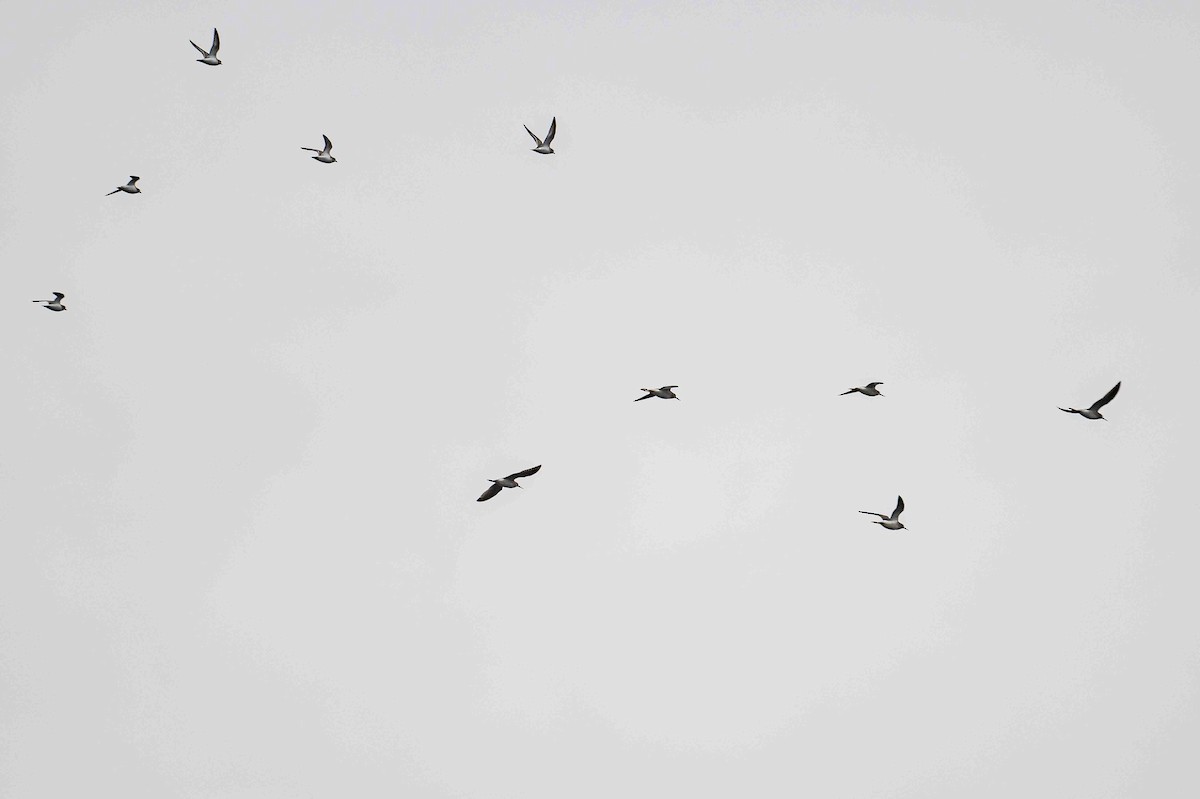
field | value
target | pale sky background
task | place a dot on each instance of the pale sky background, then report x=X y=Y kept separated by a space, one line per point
x=242 y=555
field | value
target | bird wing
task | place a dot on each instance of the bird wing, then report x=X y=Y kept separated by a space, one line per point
x=311 y=149
x=876 y=383
x=667 y=388
x=899 y=508
x=492 y=491
x=132 y=180
x=1107 y=398
x=553 y=130
x=639 y=399
x=872 y=513
x=216 y=45
x=535 y=138
x=525 y=473
x=851 y=391
x=1068 y=410
x=111 y=193
x=58 y=295
x=328 y=143
x=198 y=47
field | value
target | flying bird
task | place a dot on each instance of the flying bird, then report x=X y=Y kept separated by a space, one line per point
x=890 y=522
x=56 y=303
x=322 y=155
x=506 y=482
x=869 y=389
x=543 y=147
x=128 y=188
x=1094 y=411
x=210 y=57
x=662 y=393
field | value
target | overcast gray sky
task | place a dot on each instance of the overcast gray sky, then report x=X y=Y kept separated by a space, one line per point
x=242 y=555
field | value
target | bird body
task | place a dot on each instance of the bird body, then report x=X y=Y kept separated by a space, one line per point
x=869 y=390
x=1094 y=411
x=210 y=56
x=56 y=303
x=506 y=482
x=322 y=155
x=889 y=522
x=543 y=146
x=662 y=393
x=128 y=188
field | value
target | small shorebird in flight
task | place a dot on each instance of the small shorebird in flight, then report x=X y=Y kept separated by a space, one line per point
x=662 y=393
x=128 y=188
x=1094 y=411
x=210 y=56
x=506 y=482
x=869 y=389
x=543 y=147
x=890 y=522
x=56 y=303
x=322 y=155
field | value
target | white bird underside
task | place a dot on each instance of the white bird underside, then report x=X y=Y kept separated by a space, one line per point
x=869 y=390
x=1093 y=412
x=56 y=303
x=506 y=482
x=128 y=188
x=890 y=522
x=543 y=146
x=662 y=393
x=323 y=156
x=210 y=56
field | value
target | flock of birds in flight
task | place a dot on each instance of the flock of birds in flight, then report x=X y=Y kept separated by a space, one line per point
x=325 y=156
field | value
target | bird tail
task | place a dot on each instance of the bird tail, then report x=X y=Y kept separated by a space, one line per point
x=1068 y=410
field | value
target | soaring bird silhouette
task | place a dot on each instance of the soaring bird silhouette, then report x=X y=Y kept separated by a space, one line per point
x=210 y=56
x=890 y=522
x=543 y=147
x=662 y=393
x=322 y=155
x=56 y=303
x=128 y=188
x=1094 y=411
x=869 y=389
x=506 y=482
